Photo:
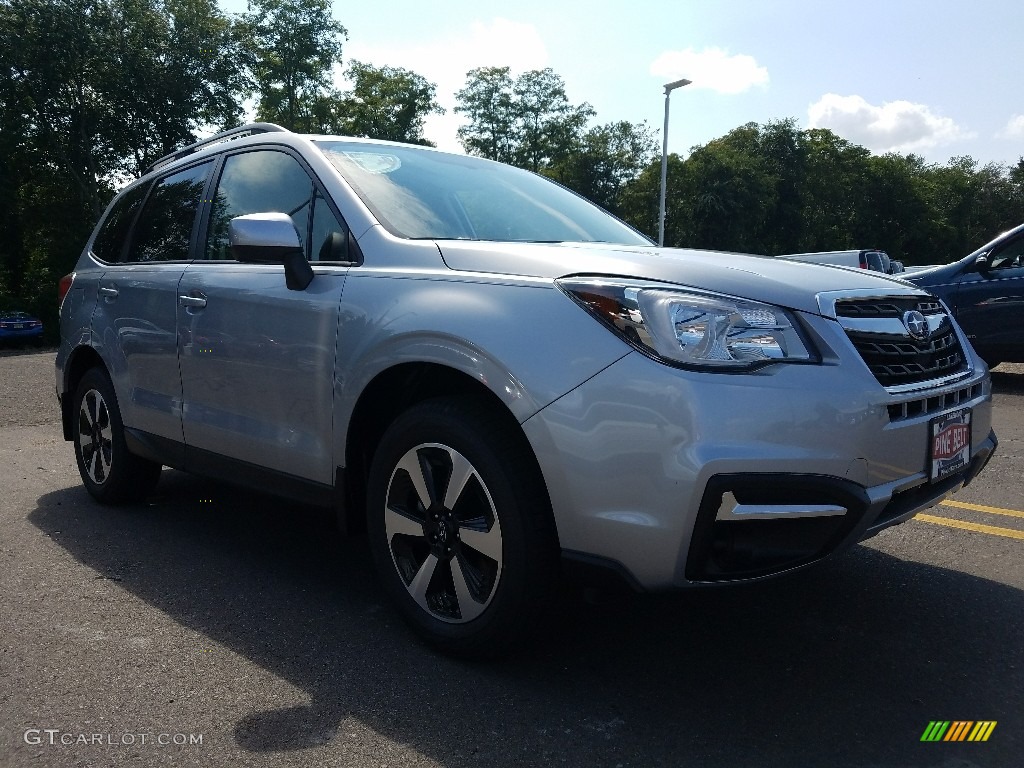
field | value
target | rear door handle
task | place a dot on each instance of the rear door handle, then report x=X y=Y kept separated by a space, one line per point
x=197 y=302
x=108 y=292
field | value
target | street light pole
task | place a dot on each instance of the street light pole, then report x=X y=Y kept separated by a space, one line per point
x=664 y=158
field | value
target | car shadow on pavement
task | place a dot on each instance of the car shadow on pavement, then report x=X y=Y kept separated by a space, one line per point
x=842 y=665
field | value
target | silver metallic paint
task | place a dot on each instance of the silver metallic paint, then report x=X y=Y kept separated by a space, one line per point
x=626 y=444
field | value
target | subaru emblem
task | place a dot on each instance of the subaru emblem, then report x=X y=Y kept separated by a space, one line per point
x=916 y=324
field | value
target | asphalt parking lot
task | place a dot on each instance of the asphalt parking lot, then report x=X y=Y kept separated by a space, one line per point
x=213 y=627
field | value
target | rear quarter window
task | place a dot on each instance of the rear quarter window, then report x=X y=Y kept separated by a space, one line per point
x=109 y=242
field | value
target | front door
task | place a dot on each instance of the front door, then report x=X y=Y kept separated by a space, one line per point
x=990 y=303
x=257 y=359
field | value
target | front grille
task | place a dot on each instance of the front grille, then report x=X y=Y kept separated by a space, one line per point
x=890 y=307
x=924 y=406
x=890 y=352
x=898 y=360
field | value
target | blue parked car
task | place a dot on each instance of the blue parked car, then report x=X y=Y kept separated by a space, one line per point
x=19 y=325
x=985 y=291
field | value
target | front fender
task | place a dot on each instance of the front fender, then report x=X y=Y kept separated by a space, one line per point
x=462 y=322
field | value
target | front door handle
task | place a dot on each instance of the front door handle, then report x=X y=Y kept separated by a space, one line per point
x=197 y=302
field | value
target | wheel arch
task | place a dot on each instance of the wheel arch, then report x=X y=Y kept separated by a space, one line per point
x=81 y=360
x=394 y=391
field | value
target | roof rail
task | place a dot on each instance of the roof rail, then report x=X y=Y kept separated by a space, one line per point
x=229 y=135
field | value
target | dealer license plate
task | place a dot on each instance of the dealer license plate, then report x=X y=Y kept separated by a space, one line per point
x=950 y=449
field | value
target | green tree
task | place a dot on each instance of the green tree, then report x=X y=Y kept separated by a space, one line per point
x=387 y=103
x=91 y=94
x=134 y=79
x=971 y=204
x=548 y=127
x=742 y=192
x=292 y=48
x=527 y=122
x=894 y=210
x=730 y=198
x=1017 y=177
x=608 y=158
x=638 y=201
x=60 y=103
x=832 y=192
x=487 y=100
x=187 y=58
x=782 y=146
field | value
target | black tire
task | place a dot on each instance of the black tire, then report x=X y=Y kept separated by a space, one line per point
x=111 y=474
x=490 y=535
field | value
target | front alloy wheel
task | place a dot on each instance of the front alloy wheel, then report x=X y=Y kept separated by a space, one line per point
x=443 y=533
x=460 y=525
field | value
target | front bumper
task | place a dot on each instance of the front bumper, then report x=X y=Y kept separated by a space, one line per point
x=790 y=521
x=640 y=462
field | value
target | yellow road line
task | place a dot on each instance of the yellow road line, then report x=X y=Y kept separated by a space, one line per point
x=977 y=527
x=983 y=508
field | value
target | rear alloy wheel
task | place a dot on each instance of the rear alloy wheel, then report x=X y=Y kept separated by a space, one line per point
x=95 y=437
x=460 y=527
x=110 y=473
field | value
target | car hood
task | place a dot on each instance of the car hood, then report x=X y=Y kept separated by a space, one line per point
x=942 y=274
x=760 y=278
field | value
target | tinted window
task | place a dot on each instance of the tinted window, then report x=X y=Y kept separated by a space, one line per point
x=1008 y=257
x=259 y=182
x=164 y=230
x=329 y=236
x=110 y=239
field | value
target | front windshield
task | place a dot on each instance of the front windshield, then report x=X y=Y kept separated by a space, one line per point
x=418 y=193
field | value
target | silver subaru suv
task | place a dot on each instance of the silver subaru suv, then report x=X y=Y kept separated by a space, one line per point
x=497 y=381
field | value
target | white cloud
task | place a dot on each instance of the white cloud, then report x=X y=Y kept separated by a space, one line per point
x=712 y=68
x=445 y=62
x=896 y=126
x=1014 y=128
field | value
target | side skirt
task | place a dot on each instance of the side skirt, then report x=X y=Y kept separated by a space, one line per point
x=241 y=473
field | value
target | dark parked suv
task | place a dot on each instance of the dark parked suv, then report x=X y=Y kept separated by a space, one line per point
x=497 y=380
x=985 y=291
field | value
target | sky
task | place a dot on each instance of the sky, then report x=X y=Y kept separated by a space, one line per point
x=937 y=78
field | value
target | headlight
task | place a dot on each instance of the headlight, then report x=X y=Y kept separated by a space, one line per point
x=691 y=329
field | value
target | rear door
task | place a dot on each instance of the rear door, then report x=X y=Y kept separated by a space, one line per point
x=136 y=310
x=257 y=359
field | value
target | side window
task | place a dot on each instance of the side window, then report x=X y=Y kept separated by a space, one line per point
x=330 y=237
x=259 y=182
x=1009 y=256
x=164 y=230
x=878 y=261
x=109 y=241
